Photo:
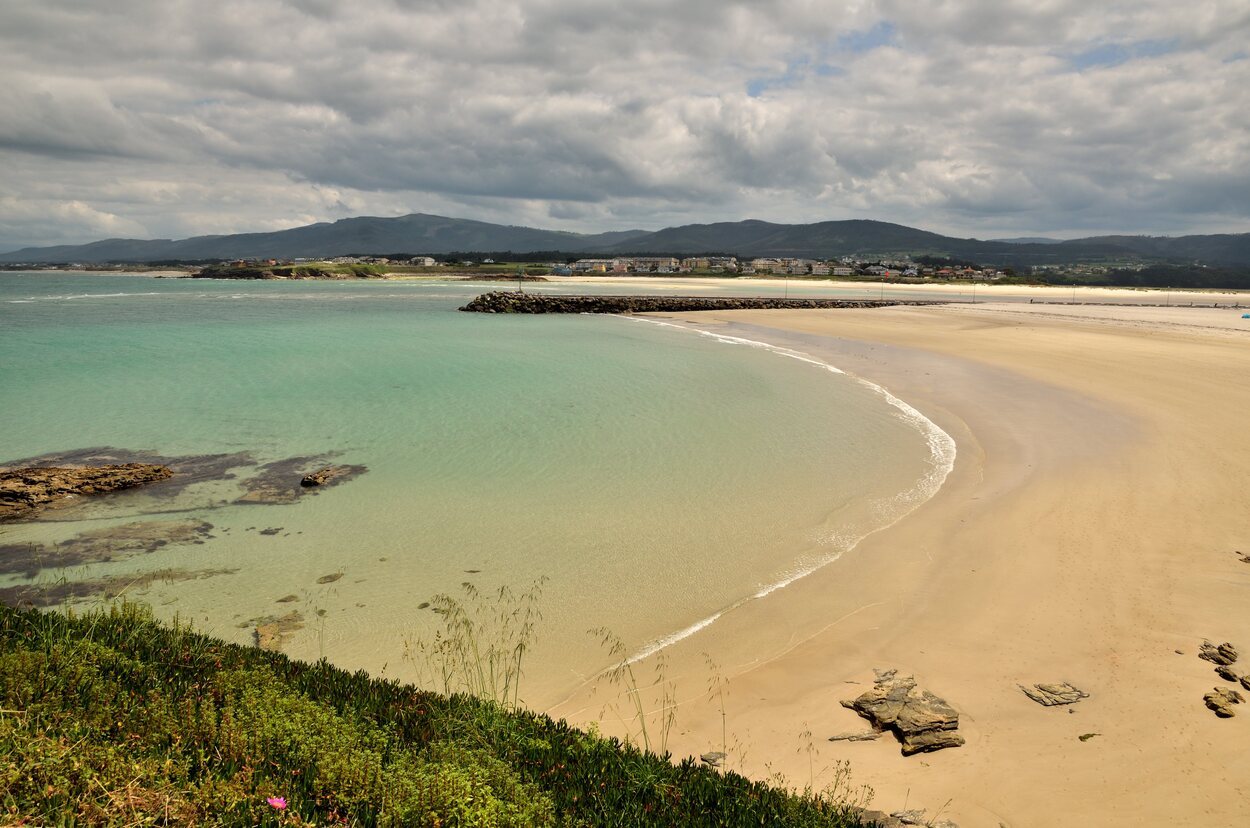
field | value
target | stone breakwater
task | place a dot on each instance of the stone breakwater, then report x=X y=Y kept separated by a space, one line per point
x=514 y=302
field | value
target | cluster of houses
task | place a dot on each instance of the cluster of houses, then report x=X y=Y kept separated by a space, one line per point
x=845 y=266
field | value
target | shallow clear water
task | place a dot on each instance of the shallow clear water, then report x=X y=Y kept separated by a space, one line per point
x=654 y=476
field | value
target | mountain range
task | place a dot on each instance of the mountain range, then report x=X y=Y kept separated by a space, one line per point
x=419 y=233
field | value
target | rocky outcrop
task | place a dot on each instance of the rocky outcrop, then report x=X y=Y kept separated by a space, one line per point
x=857 y=736
x=1051 y=695
x=1222 y=654
x=1227 y=673
x=921 y=720
x=1221 y=701
x=516 y=302
x=24 y=491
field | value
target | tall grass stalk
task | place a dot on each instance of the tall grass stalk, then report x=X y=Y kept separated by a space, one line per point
x=621 y=674
x=481 y=644
x=717 y=687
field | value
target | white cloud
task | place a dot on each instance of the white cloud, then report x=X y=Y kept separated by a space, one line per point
x=973 y=117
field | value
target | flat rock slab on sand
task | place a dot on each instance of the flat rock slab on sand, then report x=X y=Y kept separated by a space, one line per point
x=24 y=491
x=922 y=721
x=1051 y=695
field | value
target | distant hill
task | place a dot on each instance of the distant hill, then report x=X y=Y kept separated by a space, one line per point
x=417 y=234
x=426 y=234
x=1030 y=240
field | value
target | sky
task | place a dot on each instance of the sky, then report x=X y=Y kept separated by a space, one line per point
x=985 y=118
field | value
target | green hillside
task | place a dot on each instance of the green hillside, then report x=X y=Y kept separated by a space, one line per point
x=114 y=719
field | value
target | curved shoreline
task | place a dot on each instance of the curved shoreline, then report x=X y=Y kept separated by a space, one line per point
x=942 y=454
x=1087 y=536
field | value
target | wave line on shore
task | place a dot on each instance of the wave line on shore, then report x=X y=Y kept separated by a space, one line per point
x=942 y=453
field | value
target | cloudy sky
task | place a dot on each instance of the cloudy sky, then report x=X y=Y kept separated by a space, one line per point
x=168 y=118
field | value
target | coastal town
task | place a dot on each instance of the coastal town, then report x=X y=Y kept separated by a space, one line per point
x=846 y=266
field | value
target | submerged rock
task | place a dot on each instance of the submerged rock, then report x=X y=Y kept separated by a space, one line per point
x=25 y=491
x=108 y=588
x=101 y=545
x=1222 y=654
x=1050 y=695
x=272 y=632
x=923 y=722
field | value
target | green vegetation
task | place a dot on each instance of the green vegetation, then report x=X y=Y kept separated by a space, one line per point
x=1155 y=276
x=114 y=719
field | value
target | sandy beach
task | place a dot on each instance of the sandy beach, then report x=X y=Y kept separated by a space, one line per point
x=1091 y=532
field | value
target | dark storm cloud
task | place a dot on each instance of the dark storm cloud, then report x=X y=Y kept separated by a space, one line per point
x=168 y=118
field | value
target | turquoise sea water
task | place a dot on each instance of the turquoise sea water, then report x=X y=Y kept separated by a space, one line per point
x=653 y=475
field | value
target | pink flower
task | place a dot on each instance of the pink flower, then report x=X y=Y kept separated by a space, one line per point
x=277 y=802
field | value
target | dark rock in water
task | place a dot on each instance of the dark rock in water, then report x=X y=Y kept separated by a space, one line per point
x=1221 y=701
x=316 y=478
x=24 y=491
x=1224 y=653
x=329 y=579
x=922 y=721
x=328 y=475
x=714 y=758
x=100 y=545
x=286 y=599
x=272 y=530
x=1051 y=695
x=1225 y=672
x=282 y=481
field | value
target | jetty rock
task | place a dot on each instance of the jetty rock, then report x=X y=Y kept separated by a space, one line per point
x=24 y=491
x=517 y=302
x=922 y=721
